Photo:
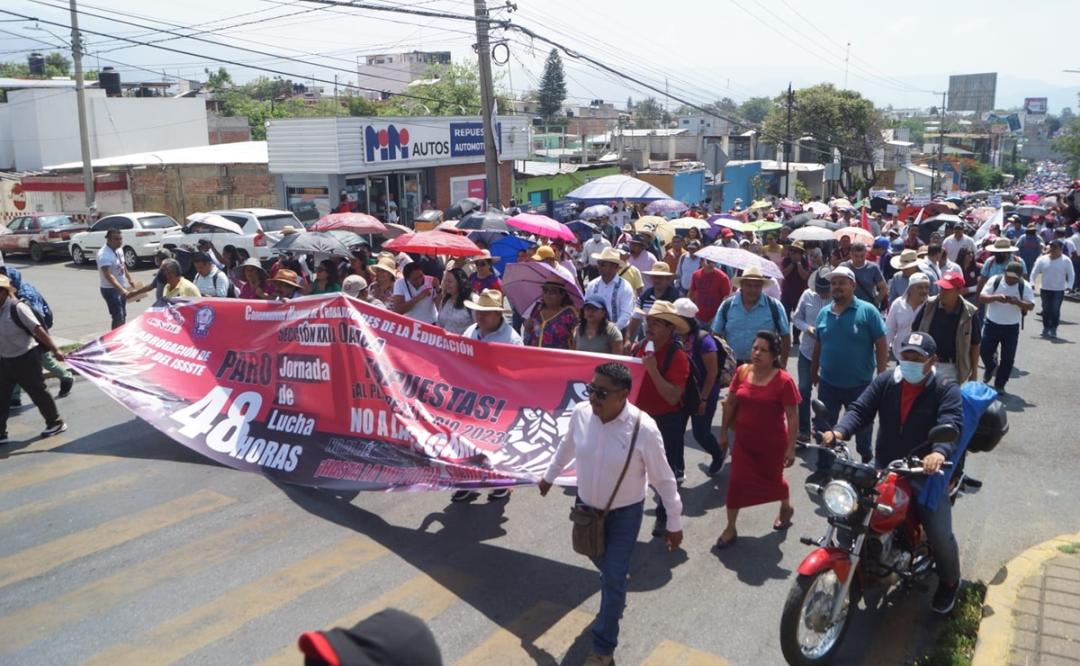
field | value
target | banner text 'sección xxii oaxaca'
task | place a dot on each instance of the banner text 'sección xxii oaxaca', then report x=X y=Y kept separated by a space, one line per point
x=331 y=392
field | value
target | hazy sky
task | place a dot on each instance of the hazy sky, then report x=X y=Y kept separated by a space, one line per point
x=700 y=50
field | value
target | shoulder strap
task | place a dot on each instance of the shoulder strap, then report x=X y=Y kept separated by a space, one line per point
x=672 y=346
x=725 y=307
x=17 y=319
x=626 y=465
x=774 y=311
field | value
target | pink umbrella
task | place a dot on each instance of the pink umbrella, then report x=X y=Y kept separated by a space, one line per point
x=434 y=242
x=358 y=223
x=541 y=225
x=522 y=283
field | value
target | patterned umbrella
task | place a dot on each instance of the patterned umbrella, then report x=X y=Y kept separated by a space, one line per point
x=740 y=259
x=358 y=223
x=665 y=207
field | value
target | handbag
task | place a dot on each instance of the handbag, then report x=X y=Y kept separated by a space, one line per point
x=587 y=535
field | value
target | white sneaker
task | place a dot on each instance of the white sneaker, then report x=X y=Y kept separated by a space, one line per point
x=54 y=429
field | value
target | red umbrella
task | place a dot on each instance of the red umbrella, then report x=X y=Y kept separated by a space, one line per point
x=541 y=225
x=857 y=235
x=358 y=223
x=434 y=242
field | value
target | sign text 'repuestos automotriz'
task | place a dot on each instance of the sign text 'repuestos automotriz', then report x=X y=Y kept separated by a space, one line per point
x=328 y=391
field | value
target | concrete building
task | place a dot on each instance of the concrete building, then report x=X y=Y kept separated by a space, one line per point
x=391 y=73
x=39 y=127
x=372 y=162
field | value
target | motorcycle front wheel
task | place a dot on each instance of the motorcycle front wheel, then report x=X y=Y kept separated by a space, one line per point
x=807 y=637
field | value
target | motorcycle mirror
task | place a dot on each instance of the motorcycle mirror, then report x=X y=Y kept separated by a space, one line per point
x=944 y=434
x=821 y=411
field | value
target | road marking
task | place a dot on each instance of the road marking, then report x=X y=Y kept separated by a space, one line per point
x=545 y=627
x=35 y=561
x=50 y=470
x=71 y=497
x=211 y=622
x=423 y=595
x=670 y=653
x=44 y=619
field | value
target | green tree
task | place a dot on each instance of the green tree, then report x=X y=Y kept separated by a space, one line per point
x=218 y=80
x=841 y=119
x=362 y=106
x=264 y=88
x=57 y=64
x=552 y=90
x=648 y=114
x=755 y=109
x=1067 y=143
x=455 y=93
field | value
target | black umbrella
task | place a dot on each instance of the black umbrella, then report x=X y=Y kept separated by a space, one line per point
x=826 y=224
x=312 y=242
x=490 y=220
x=799 y=220
x=463 y=208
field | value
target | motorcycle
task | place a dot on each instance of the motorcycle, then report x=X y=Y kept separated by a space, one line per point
x=873 y=540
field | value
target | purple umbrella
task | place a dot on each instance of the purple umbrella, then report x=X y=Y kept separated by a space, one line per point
x=522 y=283
x=665 y=207
x=740 y=259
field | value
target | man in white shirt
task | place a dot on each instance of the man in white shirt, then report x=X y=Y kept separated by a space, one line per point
x=957 y=241
x=609 y=439
x=1007 y=297
x=490 y=324
x=114 y=277
x=936 y=265
x=594 y=246
x=688 y=263
x=616 y=292
x=1057 y=275
x=208 y=279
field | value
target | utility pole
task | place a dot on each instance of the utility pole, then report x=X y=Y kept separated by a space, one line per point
x=847 y=58
x=80 y=102
x=487 y=101
x=941 y=146
x=787 y=142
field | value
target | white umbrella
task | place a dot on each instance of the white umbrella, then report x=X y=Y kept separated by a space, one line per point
x=818 y=208
x=809 y=233
x=690 y=223
x=214 y=220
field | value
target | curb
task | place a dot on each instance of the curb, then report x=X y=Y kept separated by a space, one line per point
x=996 y=628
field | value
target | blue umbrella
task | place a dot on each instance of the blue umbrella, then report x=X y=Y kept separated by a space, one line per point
x=506 y=249
x=616 y=188
x=581 y=228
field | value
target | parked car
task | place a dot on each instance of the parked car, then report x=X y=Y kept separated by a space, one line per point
x=142 y=233
x=40 y=234
x=261 y=229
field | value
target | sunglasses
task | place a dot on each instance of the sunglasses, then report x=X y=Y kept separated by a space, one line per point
x=594 y=391
x=552 y=290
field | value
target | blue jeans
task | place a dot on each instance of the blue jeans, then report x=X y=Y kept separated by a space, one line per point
x=702 y=428
x=805 y=386
x=620 y=534
x=1007 y=336
x=836 y=397
x=117 y=306
x=1051 y=307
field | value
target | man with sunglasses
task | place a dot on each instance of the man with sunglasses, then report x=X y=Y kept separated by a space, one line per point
x=598 y=442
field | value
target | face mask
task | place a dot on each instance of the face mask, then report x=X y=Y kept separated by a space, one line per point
x=912 y=371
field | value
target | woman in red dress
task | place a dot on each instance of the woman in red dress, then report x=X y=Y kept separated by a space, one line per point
x=763 y=405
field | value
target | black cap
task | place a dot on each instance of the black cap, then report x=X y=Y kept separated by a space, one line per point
x=388 y=638
x=821 y=279
x=918 y=341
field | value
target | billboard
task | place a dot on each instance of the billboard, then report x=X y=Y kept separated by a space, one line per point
x=972 y=92
x=1035 y=105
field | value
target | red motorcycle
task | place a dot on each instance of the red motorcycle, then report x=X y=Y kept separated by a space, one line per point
x=873 y=539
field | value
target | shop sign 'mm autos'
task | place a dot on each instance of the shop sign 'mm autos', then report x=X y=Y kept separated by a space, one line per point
x=406 y=142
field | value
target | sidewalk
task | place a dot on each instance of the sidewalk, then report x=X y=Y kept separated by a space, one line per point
x=1032 y=615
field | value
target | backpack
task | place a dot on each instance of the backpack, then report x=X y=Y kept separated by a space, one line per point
x=726 y=366
x=19 y=322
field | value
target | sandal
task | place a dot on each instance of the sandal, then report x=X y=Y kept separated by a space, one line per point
x=723 y=543
x=783 y=523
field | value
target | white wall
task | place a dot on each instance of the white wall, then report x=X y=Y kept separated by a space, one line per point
x=7 y=147
x=44 y=126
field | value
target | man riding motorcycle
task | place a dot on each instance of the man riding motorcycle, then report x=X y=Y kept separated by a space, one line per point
x=909 y=402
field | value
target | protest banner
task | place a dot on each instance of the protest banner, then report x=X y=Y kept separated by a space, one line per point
x=331 y=392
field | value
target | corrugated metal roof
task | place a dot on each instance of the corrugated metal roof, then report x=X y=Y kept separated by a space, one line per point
x=242 y=152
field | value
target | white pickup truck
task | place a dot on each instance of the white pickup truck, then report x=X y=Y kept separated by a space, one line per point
x=261 y=229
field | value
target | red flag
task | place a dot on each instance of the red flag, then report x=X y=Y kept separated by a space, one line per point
x=864 y=221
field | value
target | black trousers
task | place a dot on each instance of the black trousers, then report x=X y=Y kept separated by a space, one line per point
x=25 y=371
x=673 y=431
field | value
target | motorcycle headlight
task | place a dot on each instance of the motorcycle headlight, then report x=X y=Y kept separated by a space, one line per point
x=840 y=498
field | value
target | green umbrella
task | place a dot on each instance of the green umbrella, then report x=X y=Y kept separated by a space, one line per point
x=764 y=225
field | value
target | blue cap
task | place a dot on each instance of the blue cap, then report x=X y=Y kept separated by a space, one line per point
x=881 y=242
x=596 y=301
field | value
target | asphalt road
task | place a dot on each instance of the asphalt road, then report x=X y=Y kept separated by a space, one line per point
x=119 y=546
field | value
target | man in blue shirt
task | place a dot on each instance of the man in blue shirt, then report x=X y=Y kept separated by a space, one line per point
x=850 y=350
x=748 y=311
